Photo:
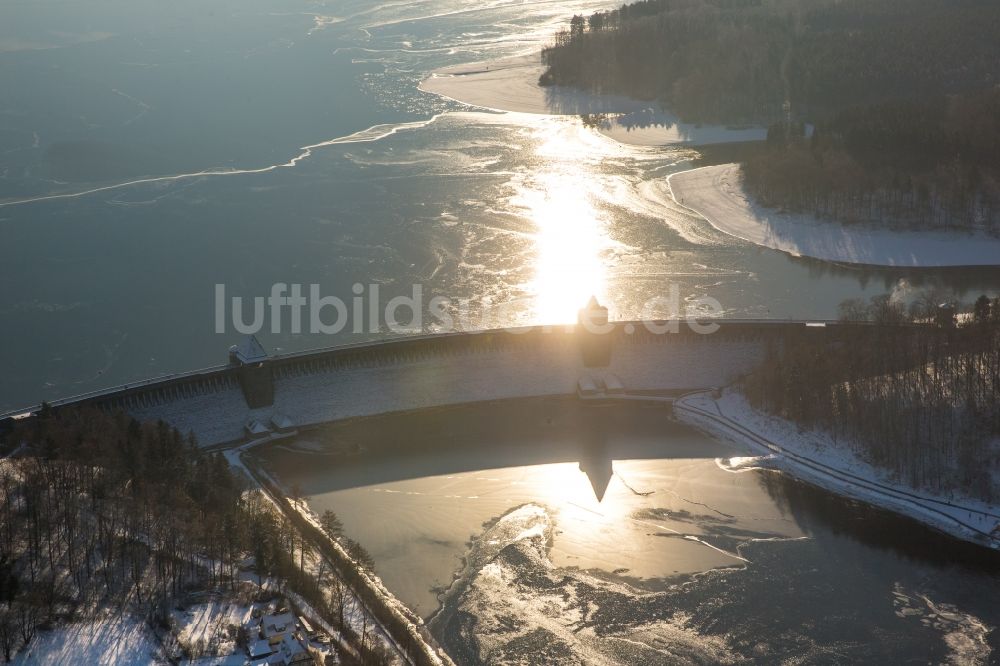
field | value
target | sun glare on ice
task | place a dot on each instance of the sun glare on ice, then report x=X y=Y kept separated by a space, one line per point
x=571 y=233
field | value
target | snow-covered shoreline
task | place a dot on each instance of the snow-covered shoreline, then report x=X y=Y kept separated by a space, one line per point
x=511 y=85
x=815 y=458
x=716 y=193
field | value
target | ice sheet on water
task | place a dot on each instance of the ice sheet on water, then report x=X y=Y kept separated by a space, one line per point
x=527 y=609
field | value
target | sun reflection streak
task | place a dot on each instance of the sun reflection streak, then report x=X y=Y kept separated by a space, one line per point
x=571 y=232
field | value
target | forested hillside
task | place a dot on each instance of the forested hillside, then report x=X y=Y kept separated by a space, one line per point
x=903 y=94
x=742 y=60
x=927 y=164
x=99 y=511
x=919 y=401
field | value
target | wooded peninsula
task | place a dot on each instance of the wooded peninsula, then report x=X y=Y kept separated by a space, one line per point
x=884 y=112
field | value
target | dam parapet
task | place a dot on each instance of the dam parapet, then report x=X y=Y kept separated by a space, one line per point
x=259 y=395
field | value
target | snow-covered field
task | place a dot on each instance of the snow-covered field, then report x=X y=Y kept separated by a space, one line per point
x=716 y=193
x=815 y=457
x=117 y=640
x=203 y=629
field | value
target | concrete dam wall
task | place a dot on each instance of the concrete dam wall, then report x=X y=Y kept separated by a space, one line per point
x=268 y=394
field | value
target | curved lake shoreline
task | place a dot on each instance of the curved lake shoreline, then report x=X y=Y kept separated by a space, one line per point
x=716 y=194
x=511 y=85
x=712 y=192
x=427 y=484
x=477 y=205
x=818 y=459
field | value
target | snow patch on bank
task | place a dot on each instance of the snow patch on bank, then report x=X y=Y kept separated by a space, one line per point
x=116 y=640
x=203 y=627
x=511 y=84
x=806 y=454
x=716 y=193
